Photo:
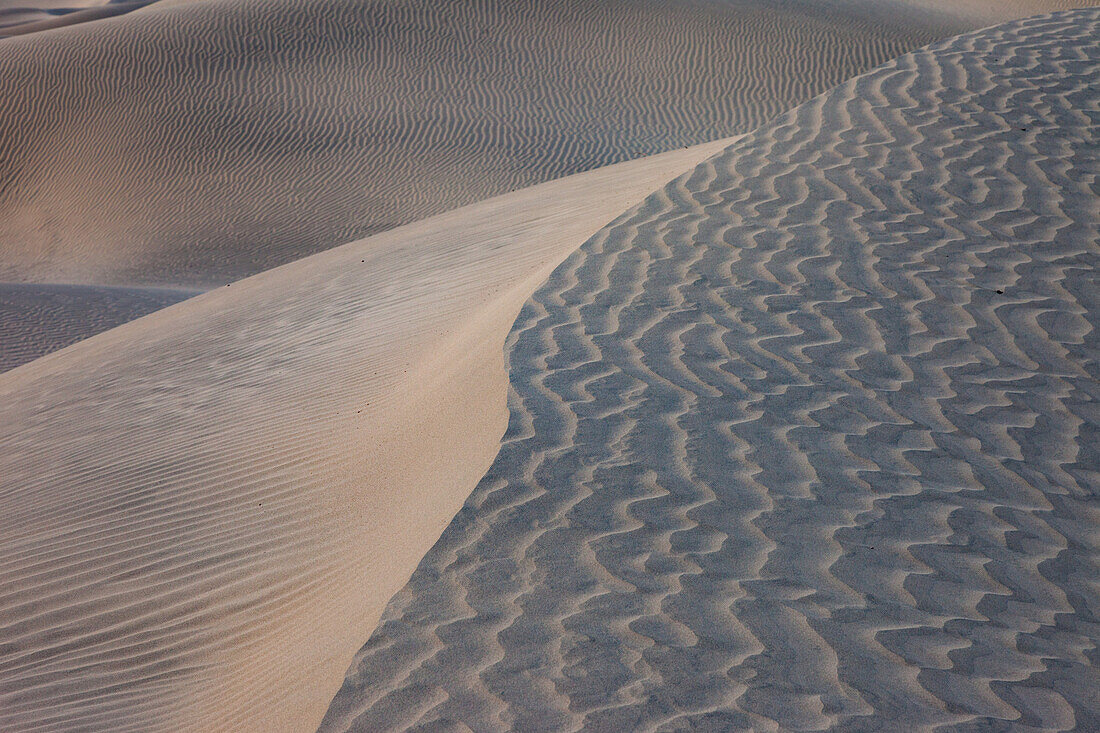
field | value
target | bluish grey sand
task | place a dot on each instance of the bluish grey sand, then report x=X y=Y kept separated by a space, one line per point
x=807 y=440
x=37 y=319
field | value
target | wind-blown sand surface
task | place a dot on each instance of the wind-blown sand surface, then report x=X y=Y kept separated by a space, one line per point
x=808 y=440
x=203 y=511
x=196 y=143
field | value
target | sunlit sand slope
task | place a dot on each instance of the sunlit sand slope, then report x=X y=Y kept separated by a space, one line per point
x=807 y=440
x=196 y=143
x=203 y=509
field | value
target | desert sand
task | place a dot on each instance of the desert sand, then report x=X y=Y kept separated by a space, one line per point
x=201 y=510
x=19 y=17
x=38 y=319
x=804 y=439
x=195 y=143
x=189 y=143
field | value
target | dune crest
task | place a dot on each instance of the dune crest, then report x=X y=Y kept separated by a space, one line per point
x=35 y=16
x=805 y=441
x=201 y=510
x=197 y=143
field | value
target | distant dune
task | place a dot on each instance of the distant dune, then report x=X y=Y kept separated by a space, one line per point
x=38 y=319
x=202 y=510
x=196 y=143
x=808 y=440
x=18 y=17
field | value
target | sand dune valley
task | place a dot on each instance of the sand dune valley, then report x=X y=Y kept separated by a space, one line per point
x=549 y=365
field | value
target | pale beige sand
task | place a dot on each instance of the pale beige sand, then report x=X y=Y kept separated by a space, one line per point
x=203 y=509
x=808 y=440
x=199 y=142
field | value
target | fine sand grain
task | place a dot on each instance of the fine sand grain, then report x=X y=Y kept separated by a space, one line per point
x=203 y=510
x=200 y=142
x=808 y=440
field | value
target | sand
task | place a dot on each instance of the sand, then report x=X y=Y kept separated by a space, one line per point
x=18 y=17
x=807 y=440
x=196 y=143
x=189 y=144
x=803 y=440
x=38 y=319
x=202 y=510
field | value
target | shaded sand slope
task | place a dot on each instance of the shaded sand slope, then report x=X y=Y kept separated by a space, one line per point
x=37 y=319
x=806 y=440
x=201 y=510
x=197 y=143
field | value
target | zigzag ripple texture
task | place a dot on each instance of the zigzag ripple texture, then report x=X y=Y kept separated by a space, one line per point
x=808 y=440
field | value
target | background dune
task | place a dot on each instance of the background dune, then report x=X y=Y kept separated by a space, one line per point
x=18 y=17
x=199 y=141
x=201 y=510
x=37 y=319
x=195 y=143
x=806 y=441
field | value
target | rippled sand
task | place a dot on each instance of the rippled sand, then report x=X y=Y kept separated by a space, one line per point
x=805 y=441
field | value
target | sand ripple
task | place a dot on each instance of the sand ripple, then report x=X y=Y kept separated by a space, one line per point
x=38 y=319
x=807 y=440
x=197 y=143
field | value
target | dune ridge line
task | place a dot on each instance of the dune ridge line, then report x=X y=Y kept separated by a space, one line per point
x=201 y=509
x=805 y=441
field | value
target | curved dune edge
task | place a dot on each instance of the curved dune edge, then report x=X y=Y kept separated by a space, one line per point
x=226 y=137
x=201 y=510
x=34 y=23
x=807 y=440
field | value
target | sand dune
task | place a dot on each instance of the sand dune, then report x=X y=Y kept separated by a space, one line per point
x=805 y=441
x=196 y=143
x=203 y=509
x=38 y=319
x=19 y=17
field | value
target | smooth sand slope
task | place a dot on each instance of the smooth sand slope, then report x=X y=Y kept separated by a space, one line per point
x=203 y=512
x=195 y=143
x=808 y=440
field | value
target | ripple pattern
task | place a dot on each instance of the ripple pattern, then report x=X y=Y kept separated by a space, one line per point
x=38 y=319
x=808 y=440
x=196 y=143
